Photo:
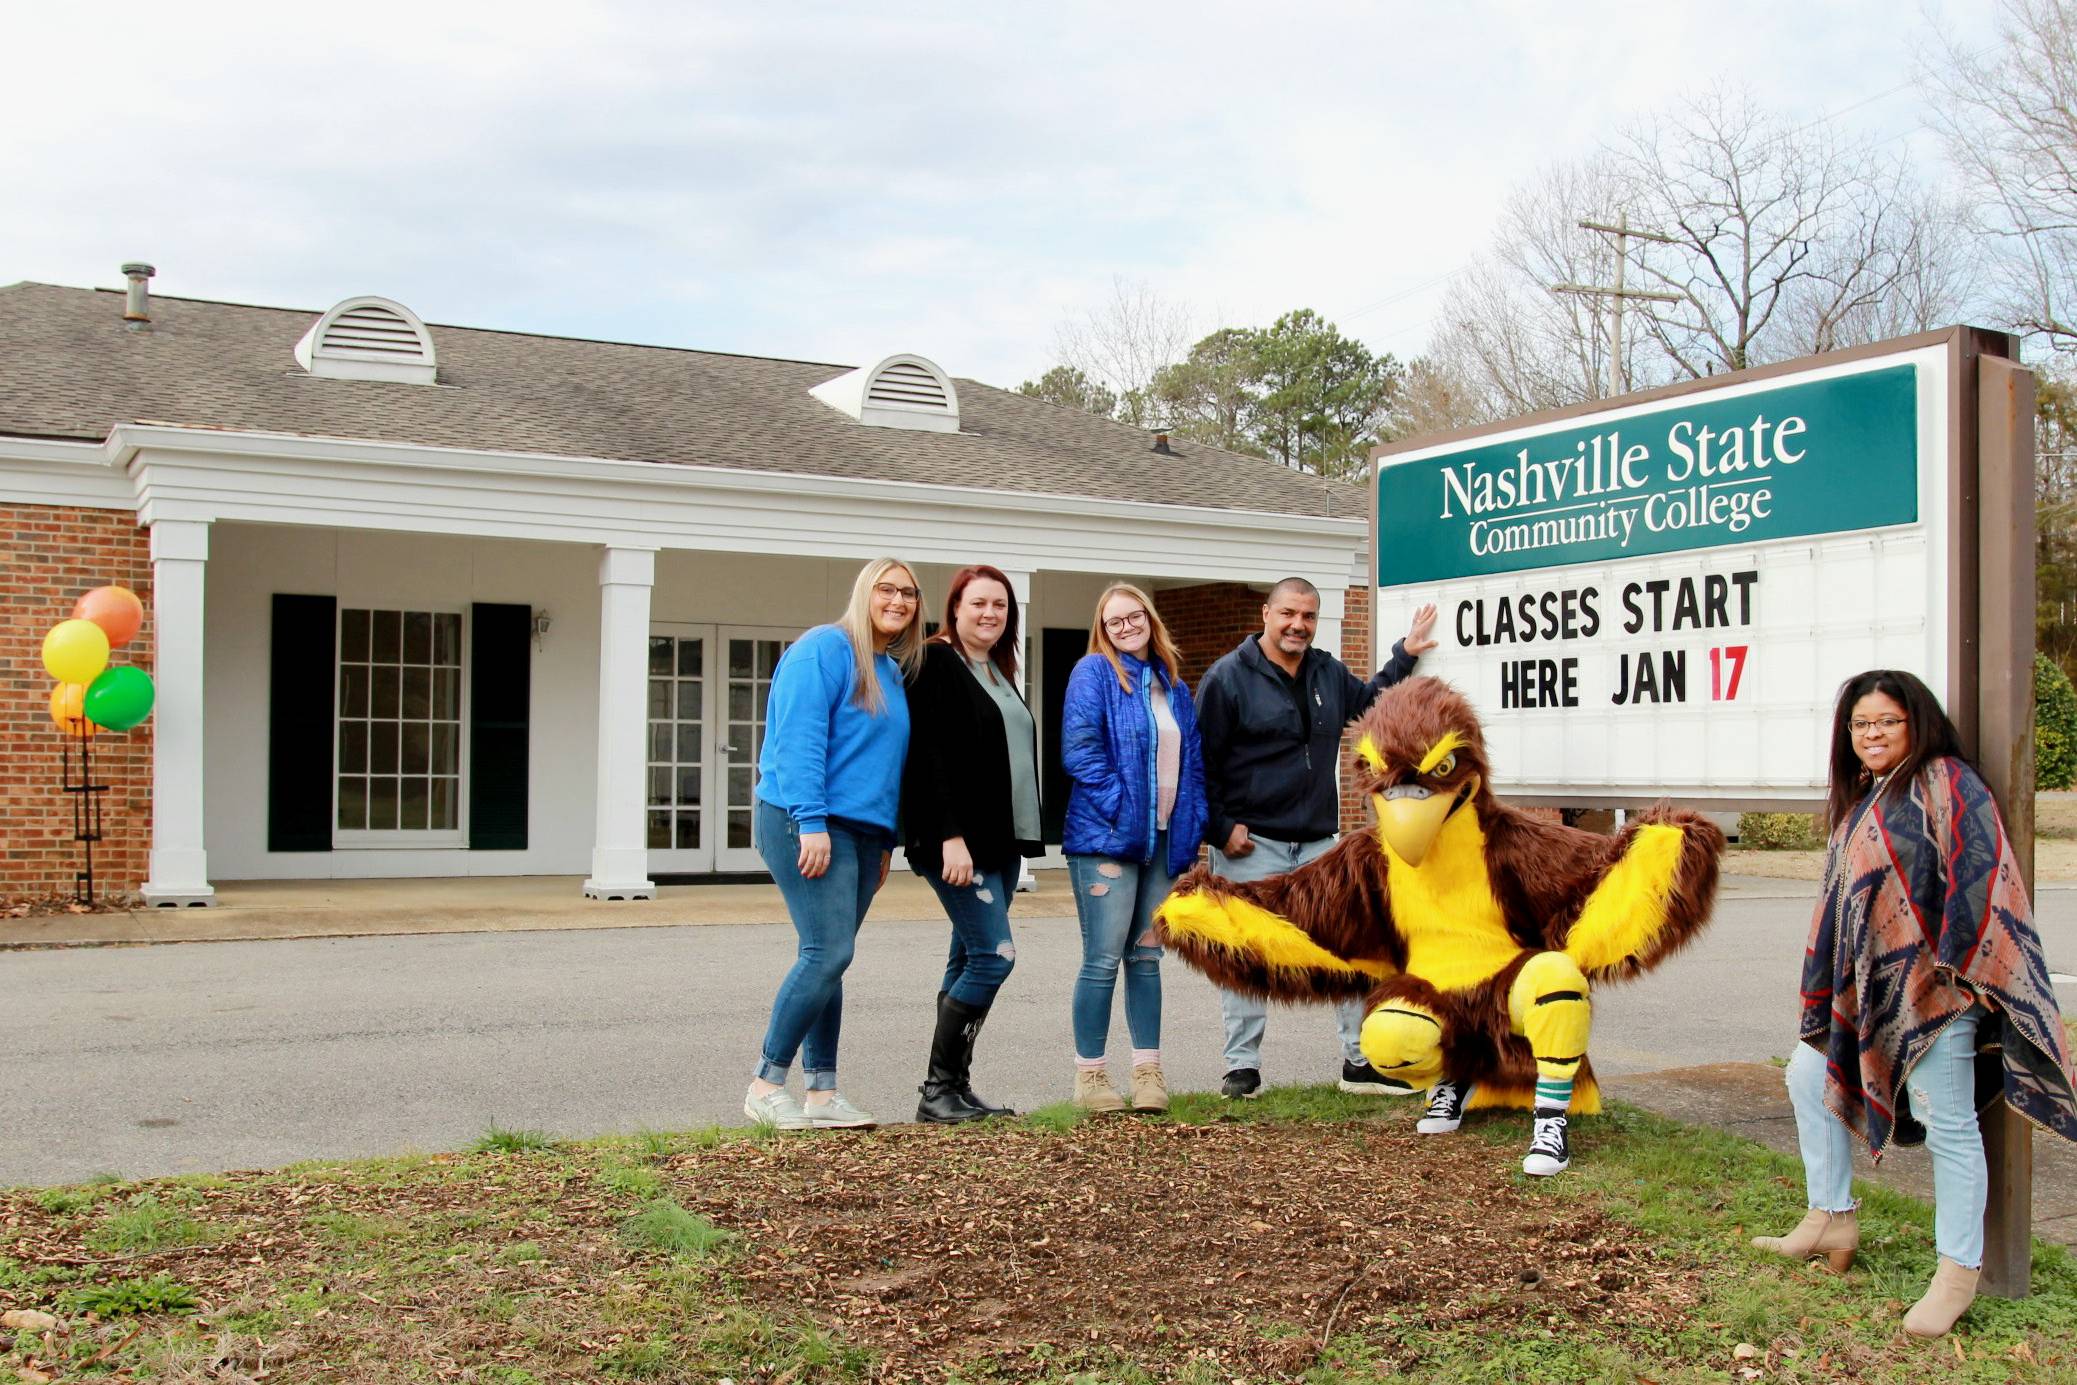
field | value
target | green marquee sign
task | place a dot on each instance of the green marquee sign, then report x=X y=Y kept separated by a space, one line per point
x=1812 y=458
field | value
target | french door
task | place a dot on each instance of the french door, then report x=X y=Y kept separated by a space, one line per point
x=748 y=656
x=682 y=695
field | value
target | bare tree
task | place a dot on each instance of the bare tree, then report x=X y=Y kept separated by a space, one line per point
x=2009 y=115
x=1508 y=345
x=1773 y=241
x=1124 y=342
x=1784 y=239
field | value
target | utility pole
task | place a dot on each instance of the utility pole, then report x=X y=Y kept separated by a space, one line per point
x=1622 y=231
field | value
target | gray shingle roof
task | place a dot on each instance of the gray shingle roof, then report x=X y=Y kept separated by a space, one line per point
x=70 y=369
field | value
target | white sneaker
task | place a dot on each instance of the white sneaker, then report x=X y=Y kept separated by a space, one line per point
x=837 y=1114
x=1445 y=1108
x=777 y=1109
x=1548 y=1150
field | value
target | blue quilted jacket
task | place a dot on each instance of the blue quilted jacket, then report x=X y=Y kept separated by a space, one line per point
x=1107 y=747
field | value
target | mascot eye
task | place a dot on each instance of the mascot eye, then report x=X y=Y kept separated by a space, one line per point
x=1443 y=767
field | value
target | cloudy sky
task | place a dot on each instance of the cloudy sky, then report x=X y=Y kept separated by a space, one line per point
x=840 y=181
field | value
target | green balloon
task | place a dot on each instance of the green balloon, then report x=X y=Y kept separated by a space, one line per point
x=120 y=698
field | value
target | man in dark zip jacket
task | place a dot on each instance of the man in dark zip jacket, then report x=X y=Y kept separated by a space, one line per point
x=1271 y=714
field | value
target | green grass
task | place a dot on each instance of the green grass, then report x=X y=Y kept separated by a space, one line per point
x=161 y=1293
x=498 y=1140
x=664 y=1225
x=144 y=1223
x=349 y=1230
x=637 y=1181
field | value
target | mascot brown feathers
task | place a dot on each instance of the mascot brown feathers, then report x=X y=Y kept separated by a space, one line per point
x=1473 y=929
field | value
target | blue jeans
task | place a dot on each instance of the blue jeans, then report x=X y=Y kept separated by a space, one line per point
x=1942 y=1086
x=808 y=1013
x=1115 y=902
x=982 y=953
x=1247 y=1016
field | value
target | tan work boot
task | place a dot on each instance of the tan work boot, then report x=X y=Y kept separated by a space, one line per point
x=1948 y=1297
x=1094 y=1092
x=1149 y=1090
x=1834 y=1235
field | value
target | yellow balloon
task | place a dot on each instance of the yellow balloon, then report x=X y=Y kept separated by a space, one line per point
x=75 y=651
x=68 y=709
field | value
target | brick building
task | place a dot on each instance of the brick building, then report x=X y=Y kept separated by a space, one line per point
x=442 y=601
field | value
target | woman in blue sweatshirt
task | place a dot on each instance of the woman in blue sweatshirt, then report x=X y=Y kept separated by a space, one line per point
x=829 y=781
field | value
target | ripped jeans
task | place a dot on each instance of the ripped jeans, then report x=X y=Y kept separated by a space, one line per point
x=1115 y=901
x=1942 y=1087
x=982 y=953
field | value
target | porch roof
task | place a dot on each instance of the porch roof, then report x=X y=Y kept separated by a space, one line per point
x=75 y=371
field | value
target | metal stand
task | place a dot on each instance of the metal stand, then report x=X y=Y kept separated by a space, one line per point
x=86 y=808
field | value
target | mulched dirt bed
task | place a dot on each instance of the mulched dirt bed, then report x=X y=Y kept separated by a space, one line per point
x=1014 y=1251
x=1163 y=1242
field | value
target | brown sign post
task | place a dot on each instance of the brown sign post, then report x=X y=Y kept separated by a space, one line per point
x=2003 y=740
x=1971 y=410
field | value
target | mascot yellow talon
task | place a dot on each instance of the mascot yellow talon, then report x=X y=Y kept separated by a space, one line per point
x=1404 y=1041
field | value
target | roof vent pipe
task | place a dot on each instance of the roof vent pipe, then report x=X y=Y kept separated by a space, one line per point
x=1161 y=443
x=137 y=302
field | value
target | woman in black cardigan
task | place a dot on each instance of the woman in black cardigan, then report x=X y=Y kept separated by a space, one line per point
x=970 y=813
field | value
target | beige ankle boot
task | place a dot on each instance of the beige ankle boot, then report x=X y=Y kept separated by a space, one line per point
x=1834 y=1235
x=1094 y=1092
x=1149 y=1089
x=1948 y=1297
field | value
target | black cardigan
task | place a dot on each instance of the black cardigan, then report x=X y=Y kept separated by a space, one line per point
x=957 y=779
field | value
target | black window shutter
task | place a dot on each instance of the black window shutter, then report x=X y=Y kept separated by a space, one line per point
x=500 y=692
x=302 y=683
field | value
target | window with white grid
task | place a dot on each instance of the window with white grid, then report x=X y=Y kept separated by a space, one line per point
x=400 y=727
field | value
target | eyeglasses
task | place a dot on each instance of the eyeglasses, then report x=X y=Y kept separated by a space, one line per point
x=1885 y=724
x=894 y=593
x=1118 y=625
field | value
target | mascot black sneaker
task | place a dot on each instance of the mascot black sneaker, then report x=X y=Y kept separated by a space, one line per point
x=1242 y=1084
x=1361 y=1079
x=1548 y=1152
x=1445 y=1108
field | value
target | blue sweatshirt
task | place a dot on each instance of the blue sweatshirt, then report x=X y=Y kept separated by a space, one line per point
x=824 y=755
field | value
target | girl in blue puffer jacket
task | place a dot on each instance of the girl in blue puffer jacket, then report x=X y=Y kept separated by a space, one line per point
x=1135 y=813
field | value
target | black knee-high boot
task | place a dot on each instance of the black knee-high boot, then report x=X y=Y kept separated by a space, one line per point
x=966 y=1068
x=951 y=1050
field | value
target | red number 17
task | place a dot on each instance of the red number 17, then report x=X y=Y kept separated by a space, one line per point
x=1734 y=655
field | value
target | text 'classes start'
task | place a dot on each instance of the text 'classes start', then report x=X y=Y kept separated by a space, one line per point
x=1659 y=605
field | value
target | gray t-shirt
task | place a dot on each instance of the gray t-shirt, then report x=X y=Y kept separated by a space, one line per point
x=1017 y=730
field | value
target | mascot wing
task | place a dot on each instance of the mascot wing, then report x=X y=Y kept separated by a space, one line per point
x=1320 y=932
x=1653 y=895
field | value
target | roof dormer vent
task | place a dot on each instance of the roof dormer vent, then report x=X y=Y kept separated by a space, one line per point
x=899 y=392
x=369 y=339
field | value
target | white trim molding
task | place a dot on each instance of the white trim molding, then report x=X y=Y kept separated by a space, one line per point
x=264 y=478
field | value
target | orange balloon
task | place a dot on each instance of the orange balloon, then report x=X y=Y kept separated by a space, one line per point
x=68 y=708
x=115 y=609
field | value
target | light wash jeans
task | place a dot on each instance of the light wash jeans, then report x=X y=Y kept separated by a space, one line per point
x=1942 y=1086
x=1117 y=930
x=982 y=953
x=1246 y=1017
x=808 y=1013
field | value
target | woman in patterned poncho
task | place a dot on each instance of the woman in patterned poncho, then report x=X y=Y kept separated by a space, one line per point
x=1923 y=944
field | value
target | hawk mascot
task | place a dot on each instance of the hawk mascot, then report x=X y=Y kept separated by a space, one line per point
x=1475 y=931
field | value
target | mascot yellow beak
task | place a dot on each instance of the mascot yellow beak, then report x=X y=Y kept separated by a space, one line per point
x=1410 y=817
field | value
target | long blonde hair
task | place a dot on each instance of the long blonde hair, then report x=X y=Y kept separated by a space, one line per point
x=906 y=648
x=1159 y=645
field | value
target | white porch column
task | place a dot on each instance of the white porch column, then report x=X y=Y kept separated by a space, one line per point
x=179 y=862
x=620 y=852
